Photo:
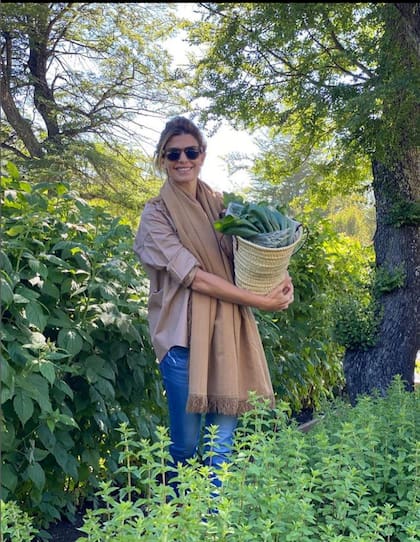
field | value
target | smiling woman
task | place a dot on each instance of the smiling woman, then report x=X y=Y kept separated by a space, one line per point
x=215 y=170
x=203 y=331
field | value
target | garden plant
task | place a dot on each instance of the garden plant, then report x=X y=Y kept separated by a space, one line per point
x=353 y=477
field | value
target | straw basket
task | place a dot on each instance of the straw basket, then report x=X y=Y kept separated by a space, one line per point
x=259 y=268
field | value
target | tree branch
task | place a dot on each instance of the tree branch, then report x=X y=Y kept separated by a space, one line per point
x=21 y=126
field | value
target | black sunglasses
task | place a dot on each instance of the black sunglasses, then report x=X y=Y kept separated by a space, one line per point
x=192 y=153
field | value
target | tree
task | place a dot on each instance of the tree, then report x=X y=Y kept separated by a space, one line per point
x=341 y=79
x=80 y=85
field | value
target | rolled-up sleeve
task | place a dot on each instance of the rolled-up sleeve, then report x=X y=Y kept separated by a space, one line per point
x=157 y=245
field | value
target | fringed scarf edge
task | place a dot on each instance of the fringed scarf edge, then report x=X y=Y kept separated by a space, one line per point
x=200 y=404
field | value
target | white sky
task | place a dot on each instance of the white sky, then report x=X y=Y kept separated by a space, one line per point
x=214 y=171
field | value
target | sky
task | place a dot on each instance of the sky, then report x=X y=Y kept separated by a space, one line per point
x=214 y=171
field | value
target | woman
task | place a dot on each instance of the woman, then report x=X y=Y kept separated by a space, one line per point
x=202 y=328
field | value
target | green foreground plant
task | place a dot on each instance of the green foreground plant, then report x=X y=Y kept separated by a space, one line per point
x=354 y=477
x=15 y=525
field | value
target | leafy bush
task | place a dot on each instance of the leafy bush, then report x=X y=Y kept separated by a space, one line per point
x=76 y=356
x=353 y=477
x=15 y=525
x=357 y=323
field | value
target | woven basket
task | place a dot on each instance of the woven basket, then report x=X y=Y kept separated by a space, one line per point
x=260 y=269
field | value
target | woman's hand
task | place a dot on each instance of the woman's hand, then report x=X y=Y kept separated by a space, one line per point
x=280 y=297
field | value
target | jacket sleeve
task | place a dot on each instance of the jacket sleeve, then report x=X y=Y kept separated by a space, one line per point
x=157 y=245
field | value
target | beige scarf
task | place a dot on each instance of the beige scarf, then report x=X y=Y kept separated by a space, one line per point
x=227 y=359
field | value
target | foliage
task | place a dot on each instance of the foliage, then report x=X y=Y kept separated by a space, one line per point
x=405 y=213
x=287 y=173
x=276 y=178
x=15 y=525
x=129 y=181
x=353 y=216
x=387 y=280
x=337 y=77
x=358 y=314
x=76 y=355
x=81 y=87
x=351 y=478
x=356 y=323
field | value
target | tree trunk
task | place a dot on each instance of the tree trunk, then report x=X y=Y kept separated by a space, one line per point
x=395 y=246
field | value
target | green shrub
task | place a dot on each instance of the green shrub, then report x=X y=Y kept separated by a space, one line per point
x=357 y=323
x=15 y=525
x=353 y=477
x=76 y=356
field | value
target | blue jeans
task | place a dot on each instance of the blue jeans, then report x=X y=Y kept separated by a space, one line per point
x=185 y=428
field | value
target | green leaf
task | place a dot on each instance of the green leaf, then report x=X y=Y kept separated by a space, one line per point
x=70 y=340
x=8 y=438
x=23 y=406
x=47 y=369
x=56 y=355
x=47 y=438
x=5 y=264
x=57 y=261
x=16 y=230
x=61 y=189
x=6 y=393
x=37 y=388
x=20 y=300
x=26 y=292
x=59 y=318
x=9 y=478
x=67 y=420
x=36 y=473
x=64 y=387
x=61 y=455
x=39 y=454
x=50 y=289
x=25 y=186
x=6 y=372
x=105 y=388
x=6 y=292
x=35 y=315
x=38 y=267
x=12 y=170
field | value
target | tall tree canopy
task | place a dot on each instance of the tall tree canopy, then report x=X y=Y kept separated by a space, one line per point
x=342 y=80
x=80 y=83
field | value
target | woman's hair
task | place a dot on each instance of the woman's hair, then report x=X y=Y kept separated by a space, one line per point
x=177 y=126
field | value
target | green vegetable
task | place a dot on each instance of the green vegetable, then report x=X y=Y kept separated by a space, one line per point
x=233 y=225
x=254 y=221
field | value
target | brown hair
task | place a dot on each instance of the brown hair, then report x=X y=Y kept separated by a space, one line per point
x=177 y=126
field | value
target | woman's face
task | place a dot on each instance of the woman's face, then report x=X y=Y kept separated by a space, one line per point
x=183 y=170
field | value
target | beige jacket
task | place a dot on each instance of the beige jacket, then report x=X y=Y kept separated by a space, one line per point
x=171 y=269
